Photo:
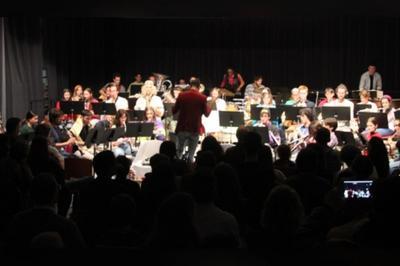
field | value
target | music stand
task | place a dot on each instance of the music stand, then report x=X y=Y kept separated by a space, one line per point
x=117 y=133
x=136 y=115
x=380 y=117
x=139 y=129
x=262 y=131
x=96 y=136
x=231 y=119
x=291 y=112
x=135 y=89
x=72 y=107
x=124 y=95
x=359 y=107
x=397 y=114
x=255 y=111
x=345 y=138
x=132 y=103
x=104 y=108
x=338 y=112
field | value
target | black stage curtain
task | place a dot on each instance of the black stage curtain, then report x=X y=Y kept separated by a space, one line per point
x=287 y=52
x=24 y=62
x=318 y=52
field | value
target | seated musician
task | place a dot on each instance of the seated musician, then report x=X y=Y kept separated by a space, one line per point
x=372 y=126
x=294 y=97
x=303 y=101
x=171 y=95
x=267 y=100
x=306 y=117
x=120 y=102
x=341 y=101
x=232 y=81
x=80 y=130
x=78 y=93
x=149 y=98
x=276 y=136
x=122 y=146
x=216 y=104
x=132 y=88
x=65 y=98
x=159 y=129
x=329 y=97
x=59 y=136
x=364 y=99
x=388 y=109
x=89 y=100
x=254 y=88
x=331 y=124
x=29 y=124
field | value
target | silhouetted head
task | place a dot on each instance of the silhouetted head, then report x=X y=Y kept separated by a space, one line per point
x=104 y=164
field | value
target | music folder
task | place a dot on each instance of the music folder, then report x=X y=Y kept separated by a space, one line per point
x=139 y=129
x=339 y=112
x=104 y=108
x=72 y=107
x=380 y=117
x=231 y=118
x=255 y=110
x=291 y=112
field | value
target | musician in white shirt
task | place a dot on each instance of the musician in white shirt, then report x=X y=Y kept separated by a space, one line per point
x=364 y=99
x=149 y=99
x=120 y=102
x=341 y=92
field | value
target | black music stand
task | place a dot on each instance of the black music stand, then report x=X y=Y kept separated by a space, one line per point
x=135 y=89
x=72 y=107
x=139 y=129
x=397 y=114
x=255 y=110
x=345 y=138
x=116 y=133
x=95 y=137
x=136 y=115
x=104 y=108
x=132 y=103
x=359 y=107
x=262 y=131
x=338 y=112
x=124 y=95
x=231 y=119
x=380 y=117
x=291 y=112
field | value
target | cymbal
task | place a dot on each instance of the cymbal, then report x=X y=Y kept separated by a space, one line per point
x=226 y=92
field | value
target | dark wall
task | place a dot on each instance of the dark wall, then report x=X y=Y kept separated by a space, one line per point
x=318 y=52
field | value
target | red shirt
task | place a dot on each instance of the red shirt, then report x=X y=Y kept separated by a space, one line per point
x=191 y=105
x=375 y=134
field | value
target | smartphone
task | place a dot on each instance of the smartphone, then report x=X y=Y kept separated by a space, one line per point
x=357 y=189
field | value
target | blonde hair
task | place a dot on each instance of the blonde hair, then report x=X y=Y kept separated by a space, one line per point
x=341 y=86
x=303 y=88
x=148 y=88
x=364 y=93
x=76 y=91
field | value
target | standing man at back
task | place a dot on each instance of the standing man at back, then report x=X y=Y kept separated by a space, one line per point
x=371 y=80
x=191 y=105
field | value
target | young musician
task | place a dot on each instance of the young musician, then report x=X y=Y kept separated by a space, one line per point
x=276 y=136
x=303 y=101
x=216 y=104
x=364 y=99
x=254 y=88
x=78 y=93
x=329 y=97
x=331 y=124
x=389 y=110
x=159 y=130
x=372 y=126
x=267 y=100
x=58 y=136
x=89 y=99
x=122 y=145
x=117 y=82
x=149 y=98
x=232 y=81
x=120 y=102
x=80 y=130
x=28 y=126
x=294 y=97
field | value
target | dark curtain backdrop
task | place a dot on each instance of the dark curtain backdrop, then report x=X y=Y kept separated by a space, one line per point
x=318 y=52
x=24 y=61
x=287 y=52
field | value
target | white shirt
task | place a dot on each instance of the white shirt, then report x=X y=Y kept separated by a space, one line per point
x=345 y=103
x=120 y=103
x=373 y=108
x=155 y=103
